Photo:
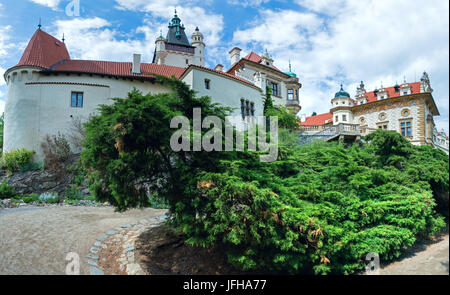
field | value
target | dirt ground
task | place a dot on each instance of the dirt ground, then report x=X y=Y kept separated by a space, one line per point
x=162 y=251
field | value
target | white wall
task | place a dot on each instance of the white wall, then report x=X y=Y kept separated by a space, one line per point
x=33 y=111
x=226 y=91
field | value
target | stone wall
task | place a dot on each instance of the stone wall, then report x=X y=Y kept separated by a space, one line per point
x=38 y=182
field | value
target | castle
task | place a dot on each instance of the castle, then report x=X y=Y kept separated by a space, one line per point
x=47 y=90
x=408 y=108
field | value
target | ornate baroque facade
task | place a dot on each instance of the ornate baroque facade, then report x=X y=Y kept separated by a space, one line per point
x=408 y=109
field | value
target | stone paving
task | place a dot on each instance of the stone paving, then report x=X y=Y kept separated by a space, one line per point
x=36 y=240
x=123 y=237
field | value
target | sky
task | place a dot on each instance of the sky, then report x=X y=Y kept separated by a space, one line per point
x=329 y=42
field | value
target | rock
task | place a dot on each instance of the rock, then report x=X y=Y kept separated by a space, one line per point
x=94 y=250
x=129 y=249
x=96 y=272
x=102 y=238
x=134 y=269
x=92 y=256
x=92 y=263
x=111 y=232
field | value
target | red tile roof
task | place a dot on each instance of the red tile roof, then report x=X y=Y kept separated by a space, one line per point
x=318 y=119
x=44 y=51
x=117 y=68
x=253 y=57
x=415 y=88
x=256 y=58
x=224 y=74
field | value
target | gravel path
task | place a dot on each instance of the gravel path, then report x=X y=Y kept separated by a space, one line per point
x=36 y=240
x=422 y=259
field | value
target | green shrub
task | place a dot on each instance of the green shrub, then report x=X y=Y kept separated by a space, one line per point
x=73 y=193
x=15 y=160
x=32 y=166
x=157 y=202
x=27 y=200
x=49 y=198
x=320 y=208
x=6 y=191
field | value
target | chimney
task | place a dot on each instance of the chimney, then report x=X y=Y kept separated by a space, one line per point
x=303 y=118
x=235 y=55
x=136 y=64
x=219 y=67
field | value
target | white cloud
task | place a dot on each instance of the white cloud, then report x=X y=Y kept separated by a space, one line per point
x=367 y=40
x=4 y=41
x=2 y=103
x=2 y=80
x=323 y=6
x=159 y=14
x=246 y=3
x=49 y=3
x=96 y=39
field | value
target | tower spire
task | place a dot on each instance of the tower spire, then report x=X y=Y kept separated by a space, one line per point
x=63 y=39
x=290 y=67
x=39 y=25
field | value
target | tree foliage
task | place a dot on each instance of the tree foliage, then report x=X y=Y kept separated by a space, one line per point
x=285 y=118
x=320 y=208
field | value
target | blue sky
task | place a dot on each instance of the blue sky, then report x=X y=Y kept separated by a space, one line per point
x=328 y=41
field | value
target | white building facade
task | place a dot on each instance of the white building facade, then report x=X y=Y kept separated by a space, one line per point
x=47 y=89
x=408 y=109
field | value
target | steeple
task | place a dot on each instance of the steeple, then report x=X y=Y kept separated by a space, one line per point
x=290 y=73
x=176 y=34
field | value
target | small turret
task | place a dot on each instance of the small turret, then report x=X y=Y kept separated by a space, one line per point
x=197 y=42
x=341 y=107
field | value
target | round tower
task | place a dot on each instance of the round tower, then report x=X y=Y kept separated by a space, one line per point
x=160 y=47
x=341 y=107
x=197 y=42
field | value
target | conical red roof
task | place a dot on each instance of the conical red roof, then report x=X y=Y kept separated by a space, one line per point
x=44 y=51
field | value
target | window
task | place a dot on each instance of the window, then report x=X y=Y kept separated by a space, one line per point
x=296 y=94
x=274 y=87
x=405 y=112
x=187 y=61
x=291 y=94
x=77 y=99
x=337 y=118
x=344 y=118
x=207 y=84
x=247 y=108
x=382 y=116
x=406 y=128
